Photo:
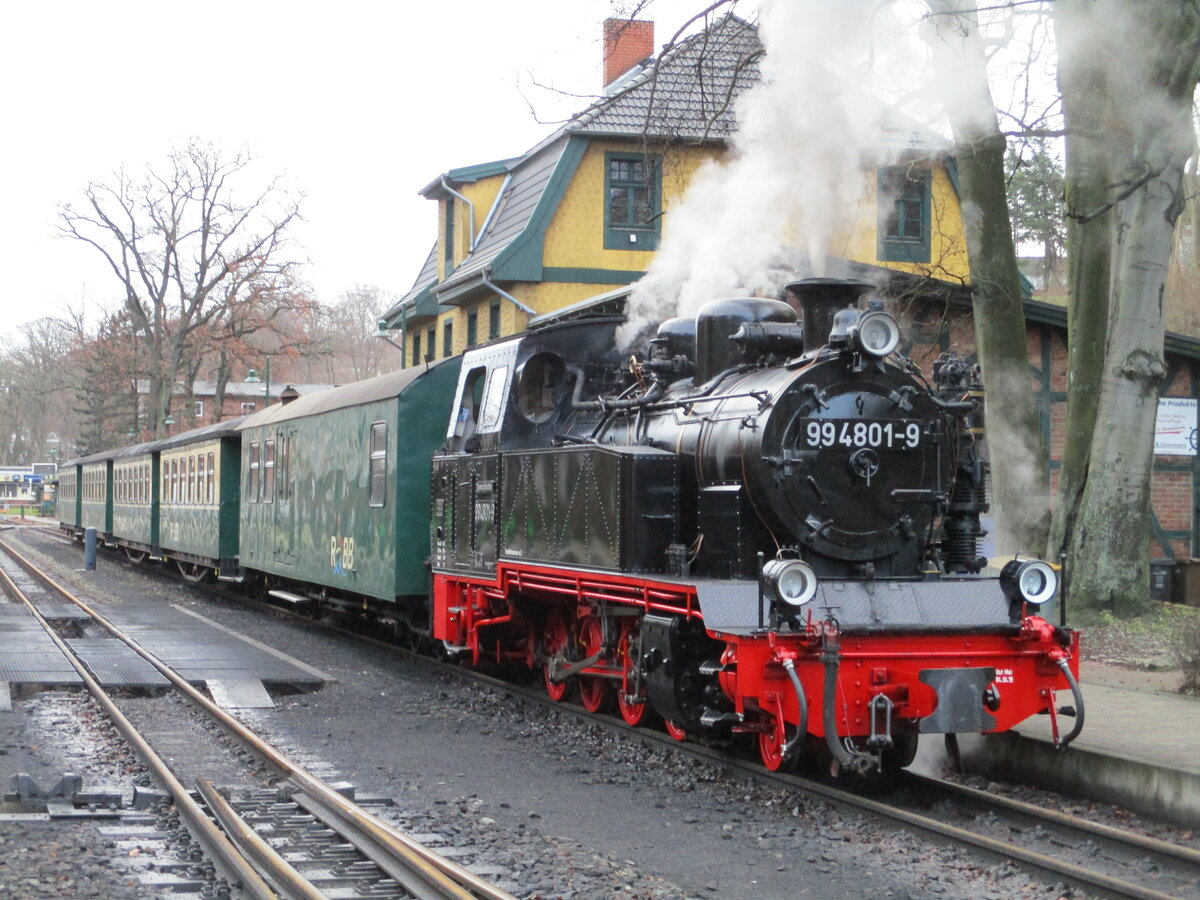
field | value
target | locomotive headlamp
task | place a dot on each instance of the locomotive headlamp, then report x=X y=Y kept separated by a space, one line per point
x=792 y=581
x=1030 y=580
x=878 y=334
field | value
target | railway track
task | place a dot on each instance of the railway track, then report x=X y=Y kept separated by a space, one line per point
x=1099 y=859
x=1102 y=860
x=303 y=839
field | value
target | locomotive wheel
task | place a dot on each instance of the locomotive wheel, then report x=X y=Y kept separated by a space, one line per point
x=555 y=640
x=632 y=711
x=770 y=748
x=674 y=730
x=594 y=693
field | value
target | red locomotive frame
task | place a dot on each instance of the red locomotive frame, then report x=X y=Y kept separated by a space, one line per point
x=496 y=620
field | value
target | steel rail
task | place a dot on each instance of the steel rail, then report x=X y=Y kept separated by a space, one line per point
x=1032 y=860
x=291 y=883
x=452 y=880
x=1086 y=826
x=333 y=819
x=1107 y=884
x=224 y=854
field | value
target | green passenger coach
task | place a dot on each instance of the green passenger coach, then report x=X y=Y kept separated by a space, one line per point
x=135 y=501
x=198 y=499
x=335 y=491
x=69 y=499
x=95 y=507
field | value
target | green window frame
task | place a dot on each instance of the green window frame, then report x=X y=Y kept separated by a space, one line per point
x=448 y=338
x=431 y=342
x=416 y=348
x=268 y=471
x=472 y=327
x=632 y=201
x=904 y=214
x=252 y=474
x=493 y=320
x=448 y=238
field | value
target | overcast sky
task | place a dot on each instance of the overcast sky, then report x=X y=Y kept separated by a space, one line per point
x=358 y=104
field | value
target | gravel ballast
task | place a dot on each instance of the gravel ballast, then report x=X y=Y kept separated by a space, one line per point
x=548 y=805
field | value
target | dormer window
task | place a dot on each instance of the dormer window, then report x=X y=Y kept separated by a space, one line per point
x=904 y=214
x=633 y=188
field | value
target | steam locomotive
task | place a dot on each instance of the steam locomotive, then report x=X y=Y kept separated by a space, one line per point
x=767 y=525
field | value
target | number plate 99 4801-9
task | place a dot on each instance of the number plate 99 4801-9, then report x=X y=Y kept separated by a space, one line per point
x=882 y=434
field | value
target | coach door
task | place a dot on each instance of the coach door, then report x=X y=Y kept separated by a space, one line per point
x=278 y=466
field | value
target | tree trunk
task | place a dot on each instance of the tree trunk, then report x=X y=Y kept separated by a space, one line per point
x=1083 y=82
x=1145 y=144
x=1020 y=481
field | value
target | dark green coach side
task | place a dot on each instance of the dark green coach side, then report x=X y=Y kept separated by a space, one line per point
x=335 y=490
x=69 y=498
x=95 y=489
x=135 y=500
x=198 y=494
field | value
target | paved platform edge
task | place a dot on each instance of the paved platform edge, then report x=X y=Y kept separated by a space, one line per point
x=266 y=648
x=1150 y=790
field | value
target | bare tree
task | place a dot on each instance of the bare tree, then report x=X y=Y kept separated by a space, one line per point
x=36 y=390
x=1022 y=486
x=1129 y=136
x=183 y=245
x=352 y=322
x=268 y=317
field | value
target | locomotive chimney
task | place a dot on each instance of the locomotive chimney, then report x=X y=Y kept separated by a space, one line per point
x=627 y=42
x=820 y=299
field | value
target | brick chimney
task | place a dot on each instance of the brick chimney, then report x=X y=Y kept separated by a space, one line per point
x=626 y=43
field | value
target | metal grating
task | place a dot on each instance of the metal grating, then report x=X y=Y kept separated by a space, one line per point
x=115 y=664
x=200 y=652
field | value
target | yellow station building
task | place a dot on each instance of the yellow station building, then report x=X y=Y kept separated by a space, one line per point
x=583 y=212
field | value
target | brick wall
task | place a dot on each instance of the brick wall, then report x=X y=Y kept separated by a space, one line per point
x=626 y=43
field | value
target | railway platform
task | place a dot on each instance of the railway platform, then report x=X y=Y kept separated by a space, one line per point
x=1140 y=748
x=234 y=669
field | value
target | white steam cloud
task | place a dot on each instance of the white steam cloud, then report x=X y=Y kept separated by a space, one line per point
x=794 y=181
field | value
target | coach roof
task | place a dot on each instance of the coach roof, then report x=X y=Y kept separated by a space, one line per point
x=381 y=387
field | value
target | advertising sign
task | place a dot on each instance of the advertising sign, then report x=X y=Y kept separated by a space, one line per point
x=1175 y=427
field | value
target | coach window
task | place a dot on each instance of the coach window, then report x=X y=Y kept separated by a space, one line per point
x=378 y=465
x=165 y=491
x=269 y=471
x=191 y=479
x=252 y=479
x=212 y=477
